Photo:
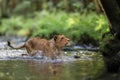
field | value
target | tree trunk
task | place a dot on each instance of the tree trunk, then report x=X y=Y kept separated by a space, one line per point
x=112 y=10
x=4 y=13
x=111 y=43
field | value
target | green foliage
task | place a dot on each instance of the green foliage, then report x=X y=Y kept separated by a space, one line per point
x=22 y=7
x=46 y=23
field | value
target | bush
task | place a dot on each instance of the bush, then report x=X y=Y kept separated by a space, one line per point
x=46 y=23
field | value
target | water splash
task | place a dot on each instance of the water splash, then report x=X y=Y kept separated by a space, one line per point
x=7 y=53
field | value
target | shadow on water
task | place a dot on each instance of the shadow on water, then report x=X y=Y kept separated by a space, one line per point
x=108 y=76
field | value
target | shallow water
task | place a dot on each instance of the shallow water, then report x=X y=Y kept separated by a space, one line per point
x=15 y=67
x=37 y=70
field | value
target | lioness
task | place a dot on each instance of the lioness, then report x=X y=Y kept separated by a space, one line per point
x=50 y=48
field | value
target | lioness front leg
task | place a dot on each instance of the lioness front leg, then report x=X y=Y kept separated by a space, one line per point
x=52 y=55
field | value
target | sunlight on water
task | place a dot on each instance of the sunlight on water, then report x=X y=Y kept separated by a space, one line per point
x=9 y=54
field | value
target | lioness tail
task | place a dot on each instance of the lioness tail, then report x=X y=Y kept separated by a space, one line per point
x=9 y=44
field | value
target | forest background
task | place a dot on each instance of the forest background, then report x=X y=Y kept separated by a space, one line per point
x=82 y=21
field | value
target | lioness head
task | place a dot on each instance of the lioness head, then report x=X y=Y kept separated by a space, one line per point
x=61 y=40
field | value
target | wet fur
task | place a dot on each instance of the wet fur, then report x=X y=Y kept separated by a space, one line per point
x=50 y=48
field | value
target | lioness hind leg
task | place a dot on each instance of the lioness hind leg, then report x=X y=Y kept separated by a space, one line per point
x=30 y=51
x=33 y=52
x=24 y=54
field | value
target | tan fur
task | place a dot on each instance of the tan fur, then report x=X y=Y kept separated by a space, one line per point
x=50 y=48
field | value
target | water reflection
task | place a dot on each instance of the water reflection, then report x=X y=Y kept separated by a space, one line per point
x=45 y=69
x=37 y=70
x=14 y=67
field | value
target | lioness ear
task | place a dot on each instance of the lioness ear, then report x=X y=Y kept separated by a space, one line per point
x=55 y=37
